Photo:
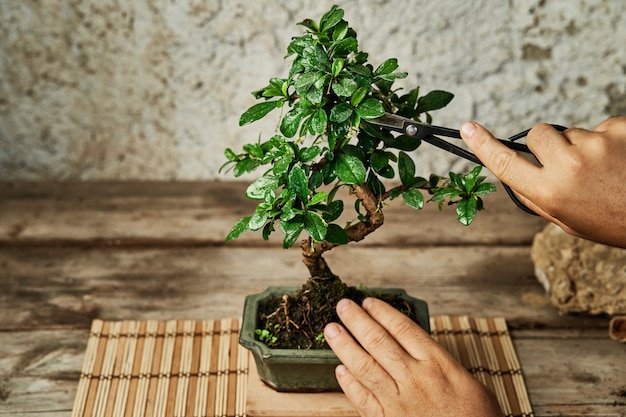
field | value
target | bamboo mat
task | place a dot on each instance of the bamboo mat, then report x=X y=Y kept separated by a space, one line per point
x=185 y=368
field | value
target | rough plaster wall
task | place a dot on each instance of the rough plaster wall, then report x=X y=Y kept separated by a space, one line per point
x=149 y=89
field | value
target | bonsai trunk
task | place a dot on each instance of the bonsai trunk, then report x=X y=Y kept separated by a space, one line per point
x=312 y=253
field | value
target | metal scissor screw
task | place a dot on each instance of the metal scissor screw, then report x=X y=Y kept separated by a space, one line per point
x=411 y=130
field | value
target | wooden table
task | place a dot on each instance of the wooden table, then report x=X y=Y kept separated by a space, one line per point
x=72 y=252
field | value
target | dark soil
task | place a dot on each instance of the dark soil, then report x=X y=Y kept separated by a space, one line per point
x=297 y=321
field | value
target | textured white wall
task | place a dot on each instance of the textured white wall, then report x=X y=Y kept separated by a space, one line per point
x=153 y=89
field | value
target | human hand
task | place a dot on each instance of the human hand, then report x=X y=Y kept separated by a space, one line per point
x=581 y=185
x=398 y=369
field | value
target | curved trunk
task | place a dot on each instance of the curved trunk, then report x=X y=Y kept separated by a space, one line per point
x=312 y=253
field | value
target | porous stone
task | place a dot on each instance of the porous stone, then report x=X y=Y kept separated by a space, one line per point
x=580 y=276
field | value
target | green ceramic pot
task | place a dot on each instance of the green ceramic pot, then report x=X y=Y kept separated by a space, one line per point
x=295 y=370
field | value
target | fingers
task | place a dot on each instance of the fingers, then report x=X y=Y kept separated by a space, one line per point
x=363 y=399
x=503 y=162
x=375 y=357
x=545 y=142
x=393 y=340
x=410 y=337
x=511 y=168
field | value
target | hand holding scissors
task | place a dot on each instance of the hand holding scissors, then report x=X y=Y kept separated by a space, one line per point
x=430 y=134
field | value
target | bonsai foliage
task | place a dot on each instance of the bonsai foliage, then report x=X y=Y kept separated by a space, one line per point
x=325 y=143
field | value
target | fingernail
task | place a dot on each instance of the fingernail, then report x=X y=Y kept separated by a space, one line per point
x=341 y=370
x=468 y=129
x=342 y=305
x=331 y=330
x=367 y=303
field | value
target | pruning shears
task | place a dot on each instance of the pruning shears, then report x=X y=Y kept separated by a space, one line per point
x=430 y=134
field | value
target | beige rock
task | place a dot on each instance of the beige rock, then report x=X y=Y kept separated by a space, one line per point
x=579 y=275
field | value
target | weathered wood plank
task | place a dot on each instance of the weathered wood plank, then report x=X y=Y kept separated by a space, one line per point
x=39 y=371
x=565 y=374
x=202 y=214
x=51 y=287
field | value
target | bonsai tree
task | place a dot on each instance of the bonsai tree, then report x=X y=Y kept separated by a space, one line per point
x=324 y=144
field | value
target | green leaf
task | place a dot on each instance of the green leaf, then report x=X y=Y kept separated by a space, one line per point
x=393 y=76
x=267 y=230
x=319 y=120
x=245 y=165
x=359 y=95
x=341 y=30
x=336 y=234
x=304 y=81
x=457 y=179
x=310 y=24
x=379 y=160
x=298 y=183
x=292 y=230
x=240 y=227
x=281 y=165
x=337 y=66
x=449 y=192
x=409 y=101
x=261 y=187
x=290 y=123
x=406 y=168
x=387 y=172
x=314 y=58
x=466 y=211
x=370 y=108
x=308 y=154
x=333 y=210
x=257 y=111
x=484 y=189
x=345 y=46
x=288 y=212
x=413 y=198
x=338 y=131
x=350 y=169
x=403 y=142
x=395 y=193
x=315 y=95
x=434 y=100
x=419 y=182
x=230 y=154
x=317 y=198
x=316 y=180
x=345 y=87
x=315 y=226
x=331 y=18
x=360 y=69
x=259 y=217
x=471 y=178
x=387 y=67
x=340 y=113
x=375 y=184
x=329 y=170
x=254 y=149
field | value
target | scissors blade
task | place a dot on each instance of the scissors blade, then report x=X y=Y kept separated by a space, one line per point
x=411 y=127
x=390 y=121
